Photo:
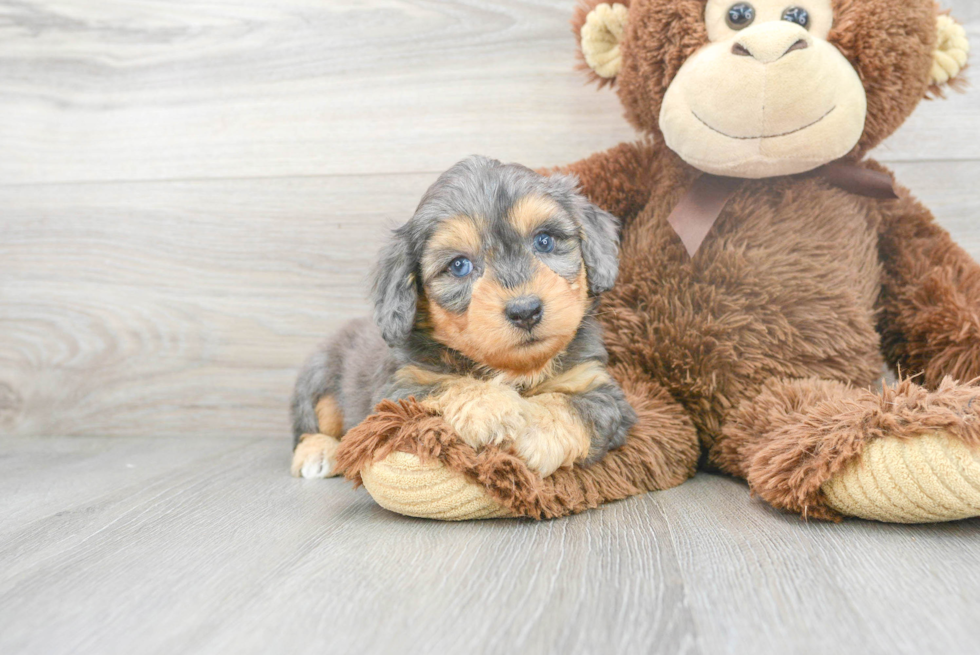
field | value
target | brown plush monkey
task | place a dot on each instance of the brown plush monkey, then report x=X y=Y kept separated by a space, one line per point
x=760 y=290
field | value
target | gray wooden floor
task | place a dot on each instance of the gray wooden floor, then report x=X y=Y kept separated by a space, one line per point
x=191 y=194
x=122 y=545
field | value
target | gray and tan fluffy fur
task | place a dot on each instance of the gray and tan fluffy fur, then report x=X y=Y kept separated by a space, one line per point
x=436 y=324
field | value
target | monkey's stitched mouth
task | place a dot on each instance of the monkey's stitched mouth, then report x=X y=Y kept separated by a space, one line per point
x=764 y=136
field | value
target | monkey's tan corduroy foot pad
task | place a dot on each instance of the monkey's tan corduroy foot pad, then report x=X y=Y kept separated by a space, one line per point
x=929 y=479
x=402 y=483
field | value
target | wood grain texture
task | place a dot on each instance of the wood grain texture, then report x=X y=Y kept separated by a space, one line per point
x=205 y=546
x=151 y=90
x=193 y=193
x=184 y=308
x=179 y=308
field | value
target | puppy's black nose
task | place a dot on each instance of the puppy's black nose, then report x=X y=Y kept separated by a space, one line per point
x=525 y=312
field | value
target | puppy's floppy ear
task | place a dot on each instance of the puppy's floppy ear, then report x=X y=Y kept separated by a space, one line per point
x=394 y=292
x=599 y=232
x=600 y=247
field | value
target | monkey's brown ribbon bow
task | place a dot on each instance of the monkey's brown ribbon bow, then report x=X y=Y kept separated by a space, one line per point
x=699 y=209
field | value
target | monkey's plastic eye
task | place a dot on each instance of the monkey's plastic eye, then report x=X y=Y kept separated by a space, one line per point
x=460 y=267
x=544 y=242
x=797 y=15
x=740 y=16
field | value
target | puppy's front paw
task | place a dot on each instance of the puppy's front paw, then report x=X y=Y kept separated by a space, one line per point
x=482 y=413
x=540 y=452
x=314 y=456
x=555 y=436
x=611 y=418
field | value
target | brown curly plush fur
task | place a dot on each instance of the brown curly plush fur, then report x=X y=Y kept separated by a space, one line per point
x=930 y=301
x=801 y=283
x=796 y=434
x=771 y=335
x=761 y=350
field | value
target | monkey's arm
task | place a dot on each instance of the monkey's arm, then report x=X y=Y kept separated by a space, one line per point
x=929 y=308
x=618 y=180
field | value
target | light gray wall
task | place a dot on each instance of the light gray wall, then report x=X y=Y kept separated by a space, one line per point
x=191 y=193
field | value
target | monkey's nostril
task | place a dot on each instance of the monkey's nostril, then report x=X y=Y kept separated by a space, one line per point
x=799 y=45
x=525 y=312
x=741 y=50
x=765 y=54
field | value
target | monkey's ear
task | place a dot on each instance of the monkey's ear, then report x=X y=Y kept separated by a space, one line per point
x=599 y=28
x=394 y=291
x=951 y=53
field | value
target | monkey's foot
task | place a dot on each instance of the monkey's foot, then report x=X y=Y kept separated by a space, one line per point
x=411 y=461
x=403 y=483
x=926 y=479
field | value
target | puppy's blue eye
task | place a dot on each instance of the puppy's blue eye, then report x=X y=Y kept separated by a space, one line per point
x=461 y=267
x=544 y=243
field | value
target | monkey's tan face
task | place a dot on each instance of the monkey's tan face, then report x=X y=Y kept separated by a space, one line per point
x=509 y=292
x=768 y=95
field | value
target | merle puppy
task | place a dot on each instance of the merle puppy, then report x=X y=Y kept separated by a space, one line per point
x=483 y=307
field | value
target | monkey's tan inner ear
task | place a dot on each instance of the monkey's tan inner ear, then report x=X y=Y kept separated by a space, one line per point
x=601 y=34
x=952 y=50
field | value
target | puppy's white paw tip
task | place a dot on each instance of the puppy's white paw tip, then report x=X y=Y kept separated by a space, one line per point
x=313 y=458
x=317 y=469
